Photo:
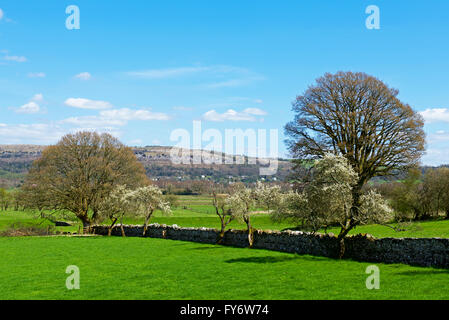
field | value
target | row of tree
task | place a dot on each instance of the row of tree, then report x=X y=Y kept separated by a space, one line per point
x=418 y=196
x=324 y=199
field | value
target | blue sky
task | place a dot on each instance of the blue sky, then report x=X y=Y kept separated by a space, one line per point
x=140 y=69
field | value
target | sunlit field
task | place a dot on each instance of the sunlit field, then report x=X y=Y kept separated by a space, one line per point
x=197 y=211
x=143 y=268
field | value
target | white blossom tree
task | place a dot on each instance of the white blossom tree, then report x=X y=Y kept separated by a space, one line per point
x=240 y=202
x=115 y=206
x=223 y=211
x=146 y=200
x=328 y=200
x=267 y=196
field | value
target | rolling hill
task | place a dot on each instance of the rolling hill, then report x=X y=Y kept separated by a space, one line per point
x=15 y=161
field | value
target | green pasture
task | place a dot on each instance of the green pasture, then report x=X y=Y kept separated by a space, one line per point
x=145 y=268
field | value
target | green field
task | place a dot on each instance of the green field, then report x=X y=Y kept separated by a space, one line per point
x=142 y=268
x=197 y=211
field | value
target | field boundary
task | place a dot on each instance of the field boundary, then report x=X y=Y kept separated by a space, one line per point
x=424 y=252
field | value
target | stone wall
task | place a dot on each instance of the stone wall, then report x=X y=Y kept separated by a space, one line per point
x=427 y=252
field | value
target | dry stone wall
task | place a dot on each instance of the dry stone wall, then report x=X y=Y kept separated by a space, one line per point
x=427 y=252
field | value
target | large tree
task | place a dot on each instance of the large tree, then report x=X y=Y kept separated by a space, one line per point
x=359 y=117
x=80 y=171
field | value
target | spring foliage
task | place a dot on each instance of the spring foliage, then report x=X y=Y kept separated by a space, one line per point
x=328 y=199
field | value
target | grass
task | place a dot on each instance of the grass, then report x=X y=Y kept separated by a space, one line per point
x=424 y=229
x=187 y=218
x=143 y=268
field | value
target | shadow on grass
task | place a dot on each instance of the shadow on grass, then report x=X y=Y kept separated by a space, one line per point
x=423 y=272
x=206 y=248
x=266 y=259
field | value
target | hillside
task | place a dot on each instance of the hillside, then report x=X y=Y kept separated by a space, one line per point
x=15 y=161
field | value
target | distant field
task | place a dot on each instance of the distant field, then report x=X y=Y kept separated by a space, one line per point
x=197 y=211
x=137 y=268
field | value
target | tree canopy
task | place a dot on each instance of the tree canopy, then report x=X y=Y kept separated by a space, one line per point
x=80 y=171
x=358 y=116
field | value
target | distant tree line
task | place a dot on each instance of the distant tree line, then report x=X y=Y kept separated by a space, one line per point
x=419 y=196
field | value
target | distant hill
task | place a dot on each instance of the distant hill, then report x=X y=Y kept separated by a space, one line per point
x=15 y=161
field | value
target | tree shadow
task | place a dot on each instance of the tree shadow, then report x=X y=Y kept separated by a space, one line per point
x=265 y=259
x=206 y=248
x=423 y=272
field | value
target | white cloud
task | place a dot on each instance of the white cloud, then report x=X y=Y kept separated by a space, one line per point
x=436 y=157
x=233 y=83
x=167 y=73
x=38 y=133
x=43 y=133
x=15 y=58
x=29 y=108
x=438 y=136
x=130 y=114
x=115 y=118
x=239 y=76
x=87 y=104
x=32 y=106
x=435 y=115
x=38 y=97
x=249 y=114
x=255 y=111
x=1 y=14
x=36 y=75
x=94 y=121
x=83 y=76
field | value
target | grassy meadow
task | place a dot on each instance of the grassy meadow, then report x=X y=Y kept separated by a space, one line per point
x=144 y=268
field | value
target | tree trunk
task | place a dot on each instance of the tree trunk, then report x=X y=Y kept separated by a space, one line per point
x=221 y=235
x=250 y=232
x=251 y=237
x=145 y=225
x=111 y=227
x=350 y=224
x=341 y=242
x=86 y=226
x=121 y=227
